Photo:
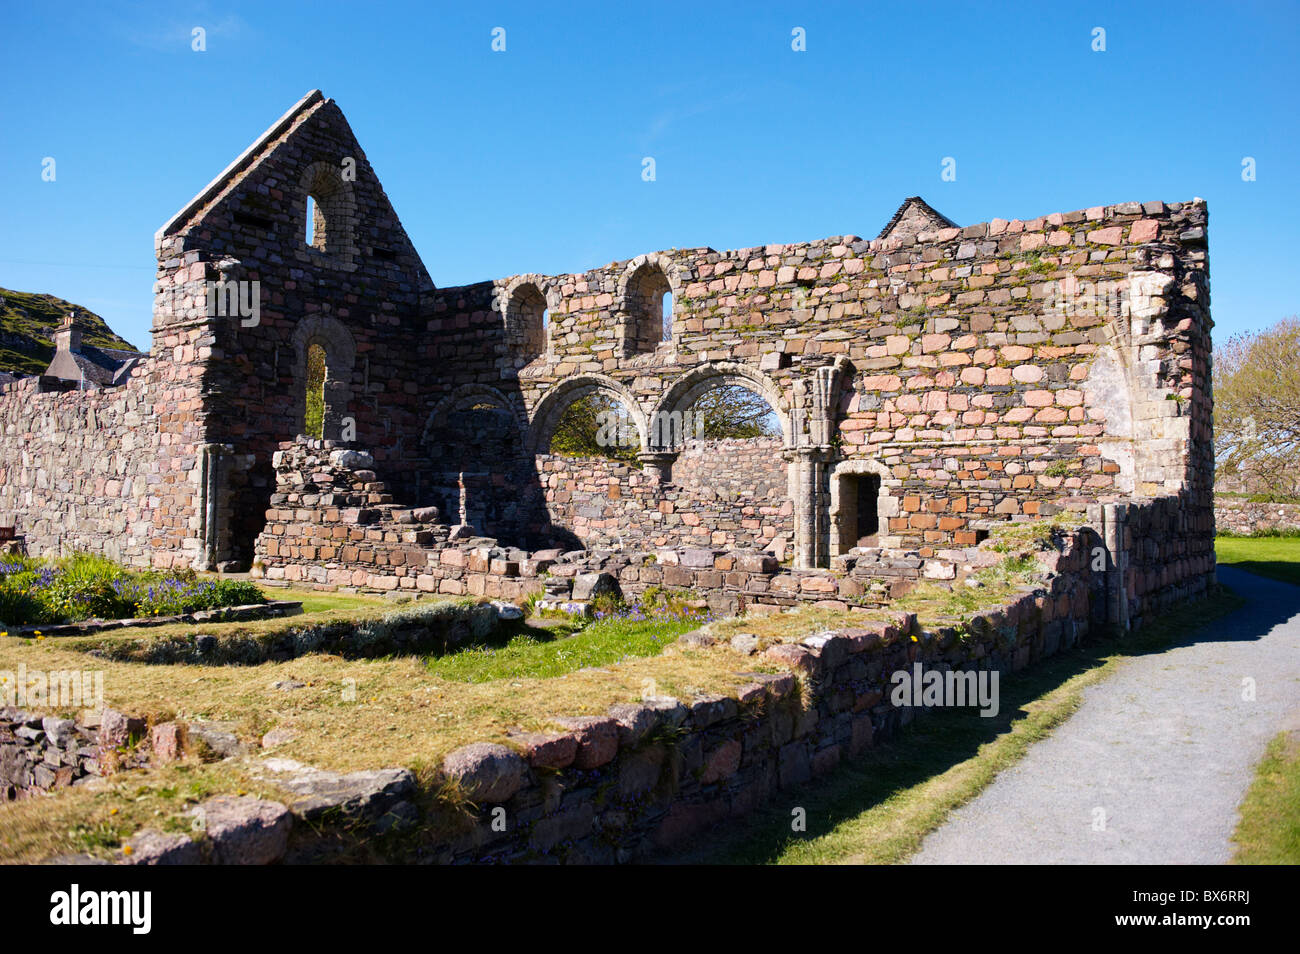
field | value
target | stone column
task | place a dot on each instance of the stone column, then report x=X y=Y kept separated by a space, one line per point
x=811 y=530
x=1109 y=520
x=658 y=465
x=209 y=491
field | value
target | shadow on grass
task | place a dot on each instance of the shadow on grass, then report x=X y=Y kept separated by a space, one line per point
x=940 y=740
x=1283 y=571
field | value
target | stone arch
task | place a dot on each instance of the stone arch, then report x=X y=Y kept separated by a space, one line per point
x=523 y=302
x=687 y=389
x=644 y=281
x=844 y=510
x=335 y=216
x=340 y=361
x=552 y=405
x=464 y=398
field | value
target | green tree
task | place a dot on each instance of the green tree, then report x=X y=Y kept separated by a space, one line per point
x=733 y=410
x=1256 y=381
x=590 y=426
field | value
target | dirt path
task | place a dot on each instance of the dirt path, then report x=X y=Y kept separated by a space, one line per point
x=1152 y=767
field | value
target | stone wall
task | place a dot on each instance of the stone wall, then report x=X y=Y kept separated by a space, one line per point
x=1243 y=517
x=42 y=753
x=113 y=471
x=724 y=493
x=991 y=370
x=332 y=524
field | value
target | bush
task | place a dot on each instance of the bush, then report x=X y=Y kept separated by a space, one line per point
x=84 y=586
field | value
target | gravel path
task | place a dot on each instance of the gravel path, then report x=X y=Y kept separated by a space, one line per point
x=1166 y=748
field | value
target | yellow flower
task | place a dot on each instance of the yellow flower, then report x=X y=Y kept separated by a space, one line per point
x=127 y=849
x=112 y=811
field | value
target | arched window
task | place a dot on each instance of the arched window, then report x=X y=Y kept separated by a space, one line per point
x=324 y=362
x=528 y=321
x=314 y=419
x=329 y=216
x=648 y=304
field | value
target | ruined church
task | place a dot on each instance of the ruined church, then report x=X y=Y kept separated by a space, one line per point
x=928 y=384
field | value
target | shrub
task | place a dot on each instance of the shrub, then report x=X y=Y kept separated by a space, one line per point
x=84 y=586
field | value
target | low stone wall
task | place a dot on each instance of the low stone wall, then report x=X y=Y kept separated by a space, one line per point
x=1159 y=552
x=332 y=523
x=413 y=630
x=647 y=776
x=1242 y=517
x=276 y=609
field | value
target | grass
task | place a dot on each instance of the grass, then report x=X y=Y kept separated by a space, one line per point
x=95 y=819
x=1269 y=830
x=547 y=652
x=1277 y=558
x=910 y=785
x=358 y=714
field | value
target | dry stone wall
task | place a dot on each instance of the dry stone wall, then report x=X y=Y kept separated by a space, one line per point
x=1244 y=517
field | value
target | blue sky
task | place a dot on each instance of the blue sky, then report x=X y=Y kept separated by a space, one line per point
x=530 y=160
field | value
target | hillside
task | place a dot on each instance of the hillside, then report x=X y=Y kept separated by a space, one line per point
x=27 y=325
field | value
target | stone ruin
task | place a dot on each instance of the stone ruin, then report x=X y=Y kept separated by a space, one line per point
x=929 y=384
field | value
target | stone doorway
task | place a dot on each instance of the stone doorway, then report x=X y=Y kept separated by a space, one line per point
x=859 y=519
x=861 y=506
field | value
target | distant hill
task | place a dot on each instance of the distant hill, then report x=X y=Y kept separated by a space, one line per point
x=27 y=325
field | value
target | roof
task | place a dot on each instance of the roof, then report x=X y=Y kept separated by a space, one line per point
x=245 y=159
x=921 y=212
x=100 y=367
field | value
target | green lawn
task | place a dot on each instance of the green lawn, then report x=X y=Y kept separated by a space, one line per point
x=1275 y=557
x=1269 y=831
x=544 y=652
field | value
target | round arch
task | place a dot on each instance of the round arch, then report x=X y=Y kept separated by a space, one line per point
x=464 y=397
x=521 y=302
x=628 y=303
x=335 y=216
x=552 y=405
x=687 y=389
x=340 y=361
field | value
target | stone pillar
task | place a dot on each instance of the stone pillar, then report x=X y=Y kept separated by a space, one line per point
x=1109 y=520
x=658 y=465
x=811 y=504
x=209 y=504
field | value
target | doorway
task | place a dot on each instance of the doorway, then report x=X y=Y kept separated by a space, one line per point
x=857 y=518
